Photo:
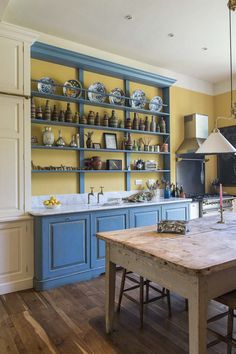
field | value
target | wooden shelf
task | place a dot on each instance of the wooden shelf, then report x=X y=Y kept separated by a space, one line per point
x=96 y=127
x=42 y=147
x=96 y=104
x=100 y=171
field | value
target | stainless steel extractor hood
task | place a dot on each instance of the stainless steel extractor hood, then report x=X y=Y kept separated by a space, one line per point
x=195 y=132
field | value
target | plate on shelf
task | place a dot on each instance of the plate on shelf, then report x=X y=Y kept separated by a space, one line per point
x=117 y=96
x=96 y=92
x=138 y=99
x=155 y=105
x=74 y=89
x=46 y=85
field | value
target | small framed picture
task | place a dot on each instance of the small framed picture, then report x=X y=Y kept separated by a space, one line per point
x=114 y=164
x=96 y=146
x=110 y=141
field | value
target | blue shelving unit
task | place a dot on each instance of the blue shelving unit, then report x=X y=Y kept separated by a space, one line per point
x=86 y=63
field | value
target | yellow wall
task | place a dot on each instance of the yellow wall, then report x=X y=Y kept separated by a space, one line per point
x=183 y=102
x=222 y=109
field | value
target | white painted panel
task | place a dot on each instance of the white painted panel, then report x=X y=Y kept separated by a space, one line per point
x=10 y=251
x=16 y=255
x=11 y=155
x=11 y=66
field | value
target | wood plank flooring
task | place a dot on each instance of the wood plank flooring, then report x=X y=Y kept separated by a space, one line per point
x=70 y=320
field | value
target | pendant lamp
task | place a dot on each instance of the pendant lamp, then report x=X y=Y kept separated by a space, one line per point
x=216 y=143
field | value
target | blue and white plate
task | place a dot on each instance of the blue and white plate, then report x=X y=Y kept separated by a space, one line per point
x=117 y=96
x=138 y=99
x=97 y=92
x=46 y=85
x=155 y=105
x=72 y=89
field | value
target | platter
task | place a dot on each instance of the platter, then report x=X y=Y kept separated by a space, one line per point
x=117 y=96
x=138 y=99
x=46 y=85
x=155 y=105
x=74 y=90
x=97 y=92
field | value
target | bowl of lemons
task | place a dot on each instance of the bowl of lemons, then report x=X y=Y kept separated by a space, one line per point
x=52 y=203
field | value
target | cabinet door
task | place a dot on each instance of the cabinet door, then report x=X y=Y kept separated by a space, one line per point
x=11 y=155
x=145 y=216
x=16 y=256
x=11 y=66
x=105 y=221
x=62 y=247
x=178 y=211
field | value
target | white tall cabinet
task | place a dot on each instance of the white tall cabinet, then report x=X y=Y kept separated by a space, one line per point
x=16 y=227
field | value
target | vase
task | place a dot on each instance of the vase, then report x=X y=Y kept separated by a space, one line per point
x=167 y=193
x=96 y=162
x=48 y=136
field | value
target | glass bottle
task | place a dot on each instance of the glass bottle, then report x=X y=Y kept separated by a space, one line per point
x=68 y=114
x=60 y=141
x=153 y=124
x=113 y=121
x=147 y=124
x=162 y=125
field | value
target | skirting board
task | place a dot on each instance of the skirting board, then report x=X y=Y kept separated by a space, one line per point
x=16 y=285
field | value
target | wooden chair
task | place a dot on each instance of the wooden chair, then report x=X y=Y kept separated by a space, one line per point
x=229 y=300
x=141 y=283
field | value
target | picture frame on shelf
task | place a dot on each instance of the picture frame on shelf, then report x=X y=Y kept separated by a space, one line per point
x=96 y=146
x=110 y=141
x=114 y=164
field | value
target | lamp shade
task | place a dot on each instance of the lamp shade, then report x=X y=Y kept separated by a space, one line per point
x=216 y=143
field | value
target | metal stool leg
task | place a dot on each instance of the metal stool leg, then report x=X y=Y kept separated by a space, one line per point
x=230 y=330
x=147 y=290
x=141 y=301
x=168 y=302
x=122 y=286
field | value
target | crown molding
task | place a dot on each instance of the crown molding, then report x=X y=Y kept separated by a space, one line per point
x=16 y=32
x=224 y=86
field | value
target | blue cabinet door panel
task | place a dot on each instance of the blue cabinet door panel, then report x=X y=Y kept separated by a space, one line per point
x=145 y=216
x=175 y=212
x=65 y=245
x=105 y=221
x=68 y=244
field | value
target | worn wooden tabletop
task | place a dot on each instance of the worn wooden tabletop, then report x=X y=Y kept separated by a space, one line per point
x=204 y=249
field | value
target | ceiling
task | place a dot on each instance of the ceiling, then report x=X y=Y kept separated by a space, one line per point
x=101 y=24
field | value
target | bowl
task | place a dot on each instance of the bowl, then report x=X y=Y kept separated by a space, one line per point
x=52 y=206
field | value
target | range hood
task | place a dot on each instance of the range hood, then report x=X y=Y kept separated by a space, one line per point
x=195 y=133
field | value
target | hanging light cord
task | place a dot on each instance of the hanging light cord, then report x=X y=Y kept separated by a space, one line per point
x=231 y=61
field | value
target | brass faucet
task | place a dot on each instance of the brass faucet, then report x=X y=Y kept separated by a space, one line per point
x=100 y=193
x=91 y=194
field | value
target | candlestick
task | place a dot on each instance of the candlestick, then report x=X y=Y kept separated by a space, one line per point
x=221 y=196
x=221 y=221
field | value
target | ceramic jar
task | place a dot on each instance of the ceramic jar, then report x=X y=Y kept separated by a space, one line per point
x=96 y=163
x=91 y=118
x=48 y=136
x=113 y=121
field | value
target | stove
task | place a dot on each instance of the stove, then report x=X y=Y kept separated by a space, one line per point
x=210 y=203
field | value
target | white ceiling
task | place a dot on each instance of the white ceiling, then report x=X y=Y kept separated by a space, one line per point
x=101 y=24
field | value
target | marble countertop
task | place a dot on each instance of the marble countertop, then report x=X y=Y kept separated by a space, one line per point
x=78 y=208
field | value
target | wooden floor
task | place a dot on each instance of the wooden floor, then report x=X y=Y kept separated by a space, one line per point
x=70 y=320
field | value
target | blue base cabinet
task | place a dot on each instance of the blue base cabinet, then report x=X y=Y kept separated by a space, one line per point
x=105 y=221
x=145 y=216
x=61 y=249
x=178 y=211
x=66 y=249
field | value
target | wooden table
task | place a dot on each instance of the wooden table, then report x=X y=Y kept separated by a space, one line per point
x=198 y=266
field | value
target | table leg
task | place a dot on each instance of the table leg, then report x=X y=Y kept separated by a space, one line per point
x=198 y=321
x=110 y=290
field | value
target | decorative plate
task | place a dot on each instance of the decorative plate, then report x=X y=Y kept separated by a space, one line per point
x=117 y=98
x=75 y=90
x=46 y=85
x=96 y=92
x=138 y=99
x=155 y=104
